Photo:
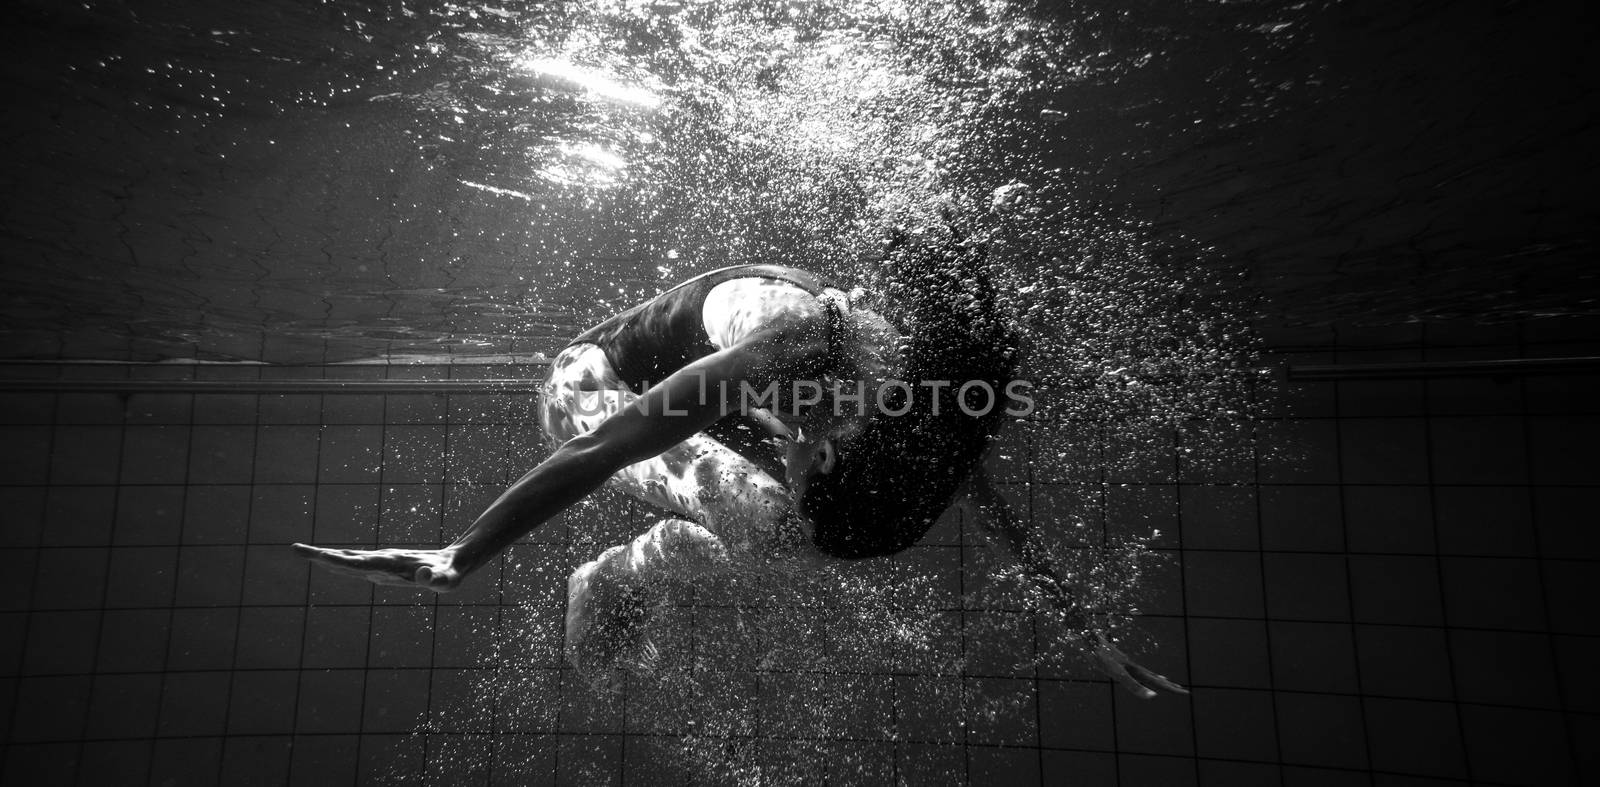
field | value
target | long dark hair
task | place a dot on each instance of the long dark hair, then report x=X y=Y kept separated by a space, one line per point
x=896 y=476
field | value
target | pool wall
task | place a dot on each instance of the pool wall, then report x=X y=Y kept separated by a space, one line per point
x=1391 y=590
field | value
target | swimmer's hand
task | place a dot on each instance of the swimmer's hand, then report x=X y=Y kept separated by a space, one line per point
x=433 y=569
x=1132 y=676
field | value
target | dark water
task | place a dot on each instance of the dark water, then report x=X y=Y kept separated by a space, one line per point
x=305 y=182
x=369 y=178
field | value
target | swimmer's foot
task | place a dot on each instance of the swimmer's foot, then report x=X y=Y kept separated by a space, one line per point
x=433 y=569
x=1133 y=677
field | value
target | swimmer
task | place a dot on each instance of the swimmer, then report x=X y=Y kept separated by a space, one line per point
x=763 y=406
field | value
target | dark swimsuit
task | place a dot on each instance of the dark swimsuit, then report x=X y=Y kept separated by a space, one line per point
x=649 y=342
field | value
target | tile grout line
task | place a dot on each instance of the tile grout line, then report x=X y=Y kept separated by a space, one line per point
x=1207 y=550
x=1261 y=565
x=1033 y=625
x=1444 y=600
x=1349 y=585
x=305 y=619
x=432 y=603
x=492 y=660
x=105 y=588
x=233 y=656
x=33 y=584
x=371 y=593
x=172 y=617
x=1183 y=585
x=961 y=618
x=1564 y=703
x=1103 y=503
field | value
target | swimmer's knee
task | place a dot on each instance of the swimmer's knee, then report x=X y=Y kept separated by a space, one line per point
x=587 y=570
x=666 y=549
x=679 y=538
x=671 y=546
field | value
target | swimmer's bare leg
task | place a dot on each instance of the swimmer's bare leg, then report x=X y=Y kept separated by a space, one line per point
x=1014 y=540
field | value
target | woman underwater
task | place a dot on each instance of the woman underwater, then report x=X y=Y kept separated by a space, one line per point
x=878 y=403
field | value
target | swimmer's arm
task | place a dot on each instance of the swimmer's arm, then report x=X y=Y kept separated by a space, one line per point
x=769 y=423
x=685 y=403
x=1012 y=538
